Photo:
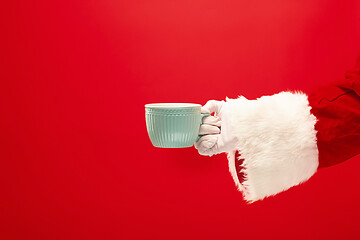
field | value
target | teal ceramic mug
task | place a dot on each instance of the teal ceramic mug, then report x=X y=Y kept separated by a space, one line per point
x=173 y=125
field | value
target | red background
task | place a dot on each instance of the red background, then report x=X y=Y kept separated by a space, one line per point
x=75 y=158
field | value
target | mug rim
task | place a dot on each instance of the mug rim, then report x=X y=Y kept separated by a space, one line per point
x=172 y=105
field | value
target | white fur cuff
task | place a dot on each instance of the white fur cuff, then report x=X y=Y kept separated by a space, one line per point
x=277 y=141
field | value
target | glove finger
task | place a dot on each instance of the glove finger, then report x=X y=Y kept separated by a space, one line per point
x=217 y=148
x=206 y=129
x=211 y=151
x=212 y=106
x=199 y=143
x=211 y=120
x=206 y=143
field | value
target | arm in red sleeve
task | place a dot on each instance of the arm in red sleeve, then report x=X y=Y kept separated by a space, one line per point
x=337 y=109
x=284 y=138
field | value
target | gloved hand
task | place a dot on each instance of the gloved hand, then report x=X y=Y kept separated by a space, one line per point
x=217 y=132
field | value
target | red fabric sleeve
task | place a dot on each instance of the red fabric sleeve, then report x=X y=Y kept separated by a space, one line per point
x=337 y=108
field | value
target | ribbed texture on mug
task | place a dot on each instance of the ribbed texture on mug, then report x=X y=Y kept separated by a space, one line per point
x=172 y=130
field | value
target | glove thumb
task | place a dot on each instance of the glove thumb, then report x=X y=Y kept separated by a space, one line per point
x=212 y=106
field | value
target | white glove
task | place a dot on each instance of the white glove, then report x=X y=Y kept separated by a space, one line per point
x=216 y=130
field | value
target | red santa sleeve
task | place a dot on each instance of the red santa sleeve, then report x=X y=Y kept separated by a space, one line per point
x=284 y=138
x=337 y=108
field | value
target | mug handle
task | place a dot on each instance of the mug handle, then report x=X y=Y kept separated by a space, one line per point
x=201 y=122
